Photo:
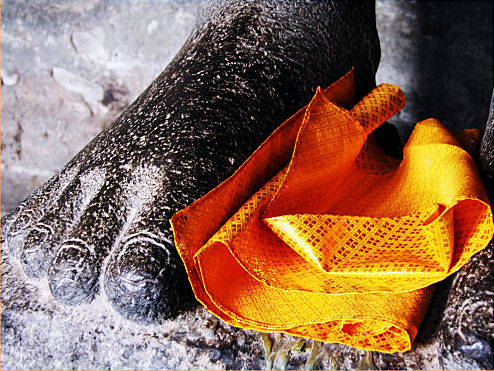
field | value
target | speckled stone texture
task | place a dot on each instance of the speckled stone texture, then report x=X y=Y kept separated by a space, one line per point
x=244 y=69
x=116 y=185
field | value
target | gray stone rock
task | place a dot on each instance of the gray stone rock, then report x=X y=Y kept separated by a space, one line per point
x=89 y=46
x=91 y=93
x=40 y=333
x=9 y=79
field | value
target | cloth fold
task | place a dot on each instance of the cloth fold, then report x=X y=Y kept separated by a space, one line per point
x=321 y=234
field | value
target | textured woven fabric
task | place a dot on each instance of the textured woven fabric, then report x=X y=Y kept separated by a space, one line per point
x=320 y=234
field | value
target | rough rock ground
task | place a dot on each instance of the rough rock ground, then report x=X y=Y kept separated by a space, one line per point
x=86 y=92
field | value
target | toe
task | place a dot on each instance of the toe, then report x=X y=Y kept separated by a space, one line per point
x=36 y=247
x=15 y=229
x=15 y=226
x=6 y=223
x=45 y=236
x=74 y=273
x=144 y=279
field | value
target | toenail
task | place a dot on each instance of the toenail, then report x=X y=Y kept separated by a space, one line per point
x=73 y=275
x=22 y=222
x=34 y=248
x=143 y=283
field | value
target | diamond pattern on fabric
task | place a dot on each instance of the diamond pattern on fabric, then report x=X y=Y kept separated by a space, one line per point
x=320 y=234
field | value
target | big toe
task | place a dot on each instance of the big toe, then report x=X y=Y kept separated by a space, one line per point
x=144 y=279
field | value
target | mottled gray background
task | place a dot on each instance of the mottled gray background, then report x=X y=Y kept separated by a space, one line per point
x=70 y=67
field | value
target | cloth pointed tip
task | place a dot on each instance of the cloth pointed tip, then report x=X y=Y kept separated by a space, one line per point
x=319 y=96
x=382 y=103
x=178 y=218
x=342 y=92
x=431 y=123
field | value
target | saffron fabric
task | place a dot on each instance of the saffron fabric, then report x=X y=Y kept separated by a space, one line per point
x=320 y=234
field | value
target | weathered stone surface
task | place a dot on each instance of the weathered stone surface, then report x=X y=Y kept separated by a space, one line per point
x=106 y=213
x=440 y=54
x=40 y=333
x=486 y=154
x=467 y=326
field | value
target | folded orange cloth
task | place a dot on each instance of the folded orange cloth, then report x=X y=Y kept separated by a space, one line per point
x=320 y=234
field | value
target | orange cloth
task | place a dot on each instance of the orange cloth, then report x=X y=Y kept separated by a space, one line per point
x=320 y=234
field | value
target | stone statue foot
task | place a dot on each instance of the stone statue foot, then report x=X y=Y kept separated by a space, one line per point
x=102 y=224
